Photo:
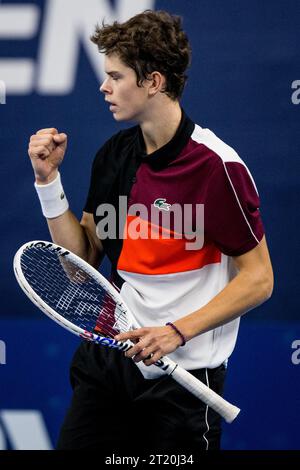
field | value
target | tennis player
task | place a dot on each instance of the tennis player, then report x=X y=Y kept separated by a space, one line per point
x=187 y=297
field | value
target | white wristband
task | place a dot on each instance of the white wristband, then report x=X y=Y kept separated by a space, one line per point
x=52 y=198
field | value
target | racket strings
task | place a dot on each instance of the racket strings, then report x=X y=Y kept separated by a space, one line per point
x=73 y=292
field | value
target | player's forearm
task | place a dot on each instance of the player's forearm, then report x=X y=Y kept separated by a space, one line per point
x=66 y=231
x=242 y=294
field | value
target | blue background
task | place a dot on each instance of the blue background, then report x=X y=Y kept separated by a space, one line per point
x=245 y=58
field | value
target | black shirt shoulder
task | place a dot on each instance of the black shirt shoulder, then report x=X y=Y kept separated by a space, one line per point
x=118 y=143
x=106 y=165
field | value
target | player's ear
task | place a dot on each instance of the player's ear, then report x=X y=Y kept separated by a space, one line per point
x=157 y=83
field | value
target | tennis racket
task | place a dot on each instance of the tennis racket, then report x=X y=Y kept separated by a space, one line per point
x=80 y=299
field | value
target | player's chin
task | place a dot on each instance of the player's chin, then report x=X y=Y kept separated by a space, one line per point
x=119 y=116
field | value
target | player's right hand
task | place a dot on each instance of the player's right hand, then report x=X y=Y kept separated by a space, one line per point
x=46 y=151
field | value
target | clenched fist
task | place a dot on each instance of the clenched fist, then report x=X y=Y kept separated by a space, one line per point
x=46 y=151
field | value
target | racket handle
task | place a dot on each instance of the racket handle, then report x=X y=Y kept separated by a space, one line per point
x=225 y=409
x=228 y=411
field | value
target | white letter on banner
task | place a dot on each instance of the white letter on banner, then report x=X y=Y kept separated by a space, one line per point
x=69 y=24
x=2 y=440
x=26 y=429
x=2 y=352
x=18 y=22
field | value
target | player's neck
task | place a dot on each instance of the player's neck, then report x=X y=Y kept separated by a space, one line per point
x=161 y=126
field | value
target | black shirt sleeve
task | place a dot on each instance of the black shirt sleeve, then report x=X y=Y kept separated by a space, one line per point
x=98 y=173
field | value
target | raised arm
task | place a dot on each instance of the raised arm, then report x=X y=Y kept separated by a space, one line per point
x=46 y=150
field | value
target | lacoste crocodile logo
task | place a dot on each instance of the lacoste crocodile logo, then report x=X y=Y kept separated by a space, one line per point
x=161 y=203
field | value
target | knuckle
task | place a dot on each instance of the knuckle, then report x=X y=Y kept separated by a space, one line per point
x=142 y=331
x=50 y=130
x=145 y=354
x=133 y=352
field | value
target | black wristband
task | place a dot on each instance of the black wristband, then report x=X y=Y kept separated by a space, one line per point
x=178 y=332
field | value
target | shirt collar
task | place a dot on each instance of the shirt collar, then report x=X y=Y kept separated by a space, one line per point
x=164 y=155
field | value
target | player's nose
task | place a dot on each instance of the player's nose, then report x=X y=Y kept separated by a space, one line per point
x=104 y=88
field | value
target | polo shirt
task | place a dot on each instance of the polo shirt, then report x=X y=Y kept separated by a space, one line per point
x=162 y=273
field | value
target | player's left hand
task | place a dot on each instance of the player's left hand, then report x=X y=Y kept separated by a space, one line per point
x=151 y=343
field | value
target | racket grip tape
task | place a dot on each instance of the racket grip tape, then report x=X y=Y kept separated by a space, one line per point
x=228 y=411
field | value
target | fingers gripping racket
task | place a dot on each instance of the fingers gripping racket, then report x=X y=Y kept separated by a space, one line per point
x=80 y=299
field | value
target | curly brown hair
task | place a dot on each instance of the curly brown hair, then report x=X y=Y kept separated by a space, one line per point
x=147 y=42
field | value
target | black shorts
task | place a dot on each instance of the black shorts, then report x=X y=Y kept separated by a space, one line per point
x=114 y=408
